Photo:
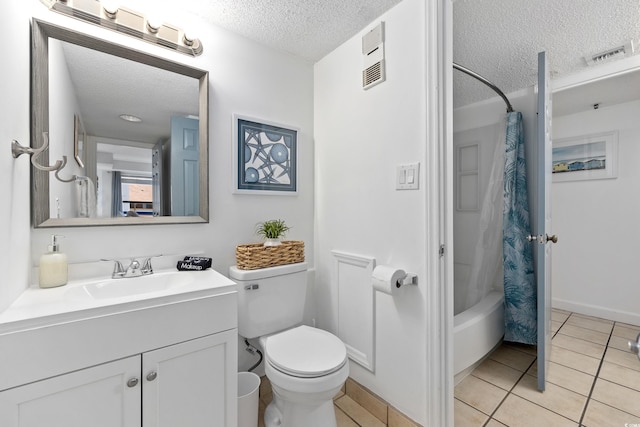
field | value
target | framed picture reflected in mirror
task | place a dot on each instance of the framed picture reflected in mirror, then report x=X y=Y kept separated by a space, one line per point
x=78 y=140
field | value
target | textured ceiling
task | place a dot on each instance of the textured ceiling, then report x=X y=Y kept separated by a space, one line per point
x=309 y=29
x=624 y=87
x=500 y=39
x=128 y=88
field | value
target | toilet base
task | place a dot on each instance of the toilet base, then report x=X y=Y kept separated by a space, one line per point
x=287 y=412
x=303 y=401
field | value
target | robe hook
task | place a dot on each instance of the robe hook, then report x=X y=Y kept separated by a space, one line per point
x=17 y=150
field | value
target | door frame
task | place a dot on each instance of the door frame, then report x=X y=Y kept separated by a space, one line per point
x=439 y=220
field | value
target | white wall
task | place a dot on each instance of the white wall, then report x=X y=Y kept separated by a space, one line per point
x=245 y=77
x=360 y=138
x=596 y=258
x=14 y=174
x=62 y=108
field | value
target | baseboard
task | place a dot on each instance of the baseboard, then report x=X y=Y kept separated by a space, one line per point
x=597 y=311
x=375 y=405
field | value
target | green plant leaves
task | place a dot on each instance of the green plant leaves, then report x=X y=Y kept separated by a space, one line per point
x=272 y=229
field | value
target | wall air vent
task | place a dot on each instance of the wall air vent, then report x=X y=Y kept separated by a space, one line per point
x=373 y=71
x=373 y=74
x=617 y=52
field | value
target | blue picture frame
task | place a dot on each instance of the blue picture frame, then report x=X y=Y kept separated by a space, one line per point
x=265 y=157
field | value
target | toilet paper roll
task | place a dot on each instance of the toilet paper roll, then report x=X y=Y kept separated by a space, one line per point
x=385 y=278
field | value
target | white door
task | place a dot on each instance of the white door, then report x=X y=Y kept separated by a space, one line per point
x=106 y=395
x=185 y=166
x=542 y=219
x=191 y=384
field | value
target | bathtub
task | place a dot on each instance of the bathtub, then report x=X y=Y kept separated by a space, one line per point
x=476 y=332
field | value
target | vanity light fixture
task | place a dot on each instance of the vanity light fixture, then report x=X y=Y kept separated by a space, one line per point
x=109 y=14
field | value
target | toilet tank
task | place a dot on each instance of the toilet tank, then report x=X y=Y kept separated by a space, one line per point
x=270 y=299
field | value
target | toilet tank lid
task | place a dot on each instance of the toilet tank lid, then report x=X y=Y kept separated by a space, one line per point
x=263 y=273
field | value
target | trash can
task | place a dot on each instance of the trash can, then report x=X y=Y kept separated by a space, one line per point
x=248 y=389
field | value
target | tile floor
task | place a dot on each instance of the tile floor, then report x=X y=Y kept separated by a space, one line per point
x=593 y=380
x=355 y=406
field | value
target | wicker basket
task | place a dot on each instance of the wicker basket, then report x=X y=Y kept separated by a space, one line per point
x=255 y=255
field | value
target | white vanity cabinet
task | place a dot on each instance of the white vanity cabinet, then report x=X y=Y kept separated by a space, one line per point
x=186 y=384
x=180 y=385
x=166 y=361
x=97 y=397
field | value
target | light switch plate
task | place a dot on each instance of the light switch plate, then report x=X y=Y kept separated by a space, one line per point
x=408 y=176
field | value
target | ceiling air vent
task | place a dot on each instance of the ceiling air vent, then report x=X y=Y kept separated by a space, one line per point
x=373 y=57
x=616 y=52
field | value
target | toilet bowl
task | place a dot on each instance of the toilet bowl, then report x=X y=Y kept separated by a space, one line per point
x=306 y=366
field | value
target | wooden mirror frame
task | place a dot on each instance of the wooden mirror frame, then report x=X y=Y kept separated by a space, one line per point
x=41 y=32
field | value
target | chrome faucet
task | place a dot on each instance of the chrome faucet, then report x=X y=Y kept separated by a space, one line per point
x=147 y=268
x=133 y=270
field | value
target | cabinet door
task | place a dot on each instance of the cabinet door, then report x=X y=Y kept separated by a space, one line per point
x=192 y=384
x=96 y=397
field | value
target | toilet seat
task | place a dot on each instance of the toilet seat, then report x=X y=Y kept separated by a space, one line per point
x=305 y=352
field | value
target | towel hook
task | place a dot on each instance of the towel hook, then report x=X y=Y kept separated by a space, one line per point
x=73 y=177
x=17 y=150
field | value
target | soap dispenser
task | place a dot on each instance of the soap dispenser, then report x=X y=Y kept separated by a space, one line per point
x=54 y=269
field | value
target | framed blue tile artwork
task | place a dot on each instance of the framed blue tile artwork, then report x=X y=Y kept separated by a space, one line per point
x=265 y=157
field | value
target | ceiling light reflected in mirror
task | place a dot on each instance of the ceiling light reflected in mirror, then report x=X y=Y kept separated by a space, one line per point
x=130 y=118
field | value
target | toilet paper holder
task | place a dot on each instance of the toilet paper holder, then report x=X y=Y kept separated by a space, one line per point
x=408 y=279
x=388 y=279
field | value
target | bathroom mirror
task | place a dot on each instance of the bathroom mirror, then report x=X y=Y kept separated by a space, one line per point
x=134 y=129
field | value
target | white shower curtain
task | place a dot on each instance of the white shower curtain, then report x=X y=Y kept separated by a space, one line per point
x=486 y=267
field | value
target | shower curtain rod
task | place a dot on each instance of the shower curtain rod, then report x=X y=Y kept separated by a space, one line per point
x=485 y=81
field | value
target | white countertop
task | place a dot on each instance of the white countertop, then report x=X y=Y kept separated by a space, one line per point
x=38 y=307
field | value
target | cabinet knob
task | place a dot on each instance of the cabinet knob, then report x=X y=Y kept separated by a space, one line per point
x=152 y=375
x=132 y=382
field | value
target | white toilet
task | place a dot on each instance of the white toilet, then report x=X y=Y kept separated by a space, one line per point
x=306 y=366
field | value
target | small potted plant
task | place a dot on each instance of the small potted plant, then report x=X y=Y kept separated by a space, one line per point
x=272 y=230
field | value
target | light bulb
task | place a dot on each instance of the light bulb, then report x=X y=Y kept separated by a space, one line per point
x=189 y=38
x=110 y=8
x=154 y=22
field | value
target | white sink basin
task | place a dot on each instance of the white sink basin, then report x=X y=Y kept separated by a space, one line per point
x=118 y=288
x=167 y=282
